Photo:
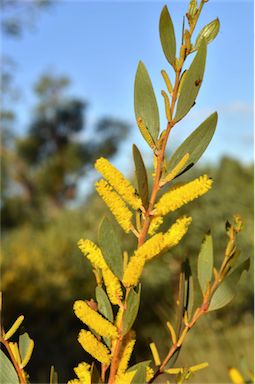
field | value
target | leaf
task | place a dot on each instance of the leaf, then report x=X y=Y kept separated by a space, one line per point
x=205 y=262
x=191 y=83
x=26 y=346
x=133 y=302
x=195 y=144
x=141 y=176
x=146 y=106
x=104 y=305
x=53 y=375
x=140 y=375
x=209 y=32
x=167 y=36
x=110 y=246
x=7 y=372
x=227 y=289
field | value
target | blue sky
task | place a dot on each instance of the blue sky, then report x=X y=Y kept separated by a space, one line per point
x=99 y=43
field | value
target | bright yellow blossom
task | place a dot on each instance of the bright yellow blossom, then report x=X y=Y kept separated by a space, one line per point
x=94 y=320
x=177 y=197
x=116 y=205
x=74 y=381
x=155 y=224
x=83 y=373
x=125 y=378
x=133 y=271
x=126 y=354
x=93 y=253
x=112 y=285
x=118 y=182
x=94 y=347
x=235 y=376
x=176 y=232
x=177 y=169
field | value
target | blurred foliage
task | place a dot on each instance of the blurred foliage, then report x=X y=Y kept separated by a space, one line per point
x=42 y=168
x=43 y=272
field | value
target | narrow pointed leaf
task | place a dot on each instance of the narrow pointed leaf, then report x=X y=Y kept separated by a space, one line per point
x=141 y=176
x=104 y=305
x=110 y=246
x=209 y=32
x=133 y=302
x=205 y=262
x=167 y=36
x=195 y=144
x=7 y=372
x=53 y=375
x=228 y=288
x=191 y=83
x=146 y=106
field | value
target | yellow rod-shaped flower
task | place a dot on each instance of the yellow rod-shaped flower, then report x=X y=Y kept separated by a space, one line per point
x=127 y=352
x=112 y=285
x=118 y=182
x=94 y=347
x=176 y=232
x=125 y=378
x=133 y=271
x=116 y=205
x=177 y=197
x=155 y=224
x=93 y=253
x=94 y=320
x=83 y=373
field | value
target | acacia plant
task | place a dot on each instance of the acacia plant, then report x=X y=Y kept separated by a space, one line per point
x=108 y=318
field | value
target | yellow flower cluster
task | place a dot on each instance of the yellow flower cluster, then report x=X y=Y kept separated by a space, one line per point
x=127 y=352
x=152 y=248
x=155 y=224
x=113 y=287
x=177 y=197
x=94 y=320
x=118 y=182
x=119 y=317
x=116 y=205
x=95 y=256
x=174 y=235
x=83 y=373
x=127 y=377
x=94 y=347
x=93 y=253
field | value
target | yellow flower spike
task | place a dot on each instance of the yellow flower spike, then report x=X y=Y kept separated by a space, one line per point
x=155 y=224
x=151 y=247
x=167 y=106
x=176 y=170
x=172 y=332
x=119 y=317
x=112 y=285
x=133 y=271
x=235 y=376
x=146 y=134
x=149 y=373
x=94 y=347
x=116 y=205
x=14 y=327
x=74 y=381
x=15 y=351
x=93 y=253
x=197 y=367
x=117 y=180
x=126 y=354
x=174 y=371
x=155 y=354
x=83 y=373
x=176 y=232
x=167 y=81
x=94 y=320
x=177 y=197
